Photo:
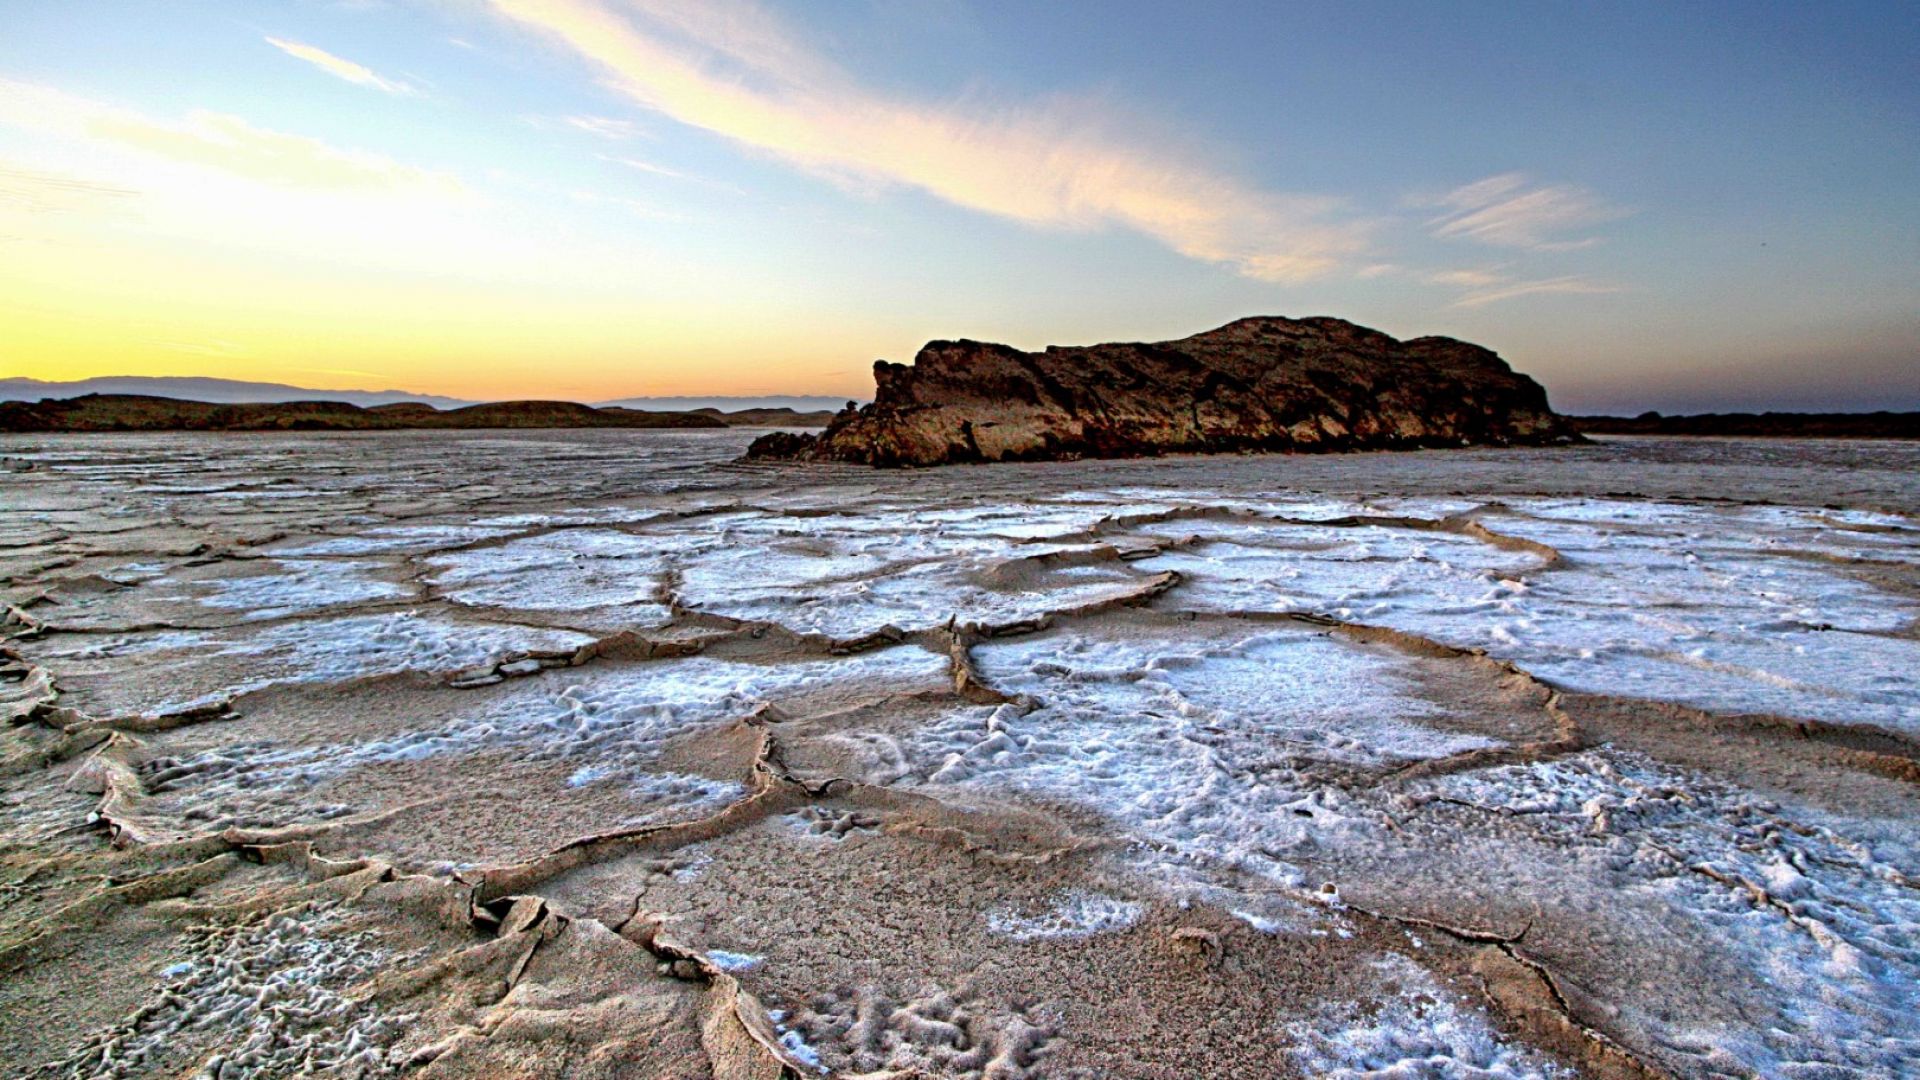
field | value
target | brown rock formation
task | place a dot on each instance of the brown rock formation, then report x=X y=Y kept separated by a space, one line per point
x=1264 y=383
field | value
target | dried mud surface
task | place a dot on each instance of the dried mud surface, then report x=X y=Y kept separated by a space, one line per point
x=596 y=754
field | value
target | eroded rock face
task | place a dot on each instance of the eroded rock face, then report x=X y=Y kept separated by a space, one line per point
x=1263 y=383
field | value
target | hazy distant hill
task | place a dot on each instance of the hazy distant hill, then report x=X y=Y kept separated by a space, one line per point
x=780 y=418
x=217 y=391
x=238 y=392
x=802 y=403
x=130 y=412
x=1873 y=425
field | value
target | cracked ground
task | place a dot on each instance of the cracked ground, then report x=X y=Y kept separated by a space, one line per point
x=594 y=754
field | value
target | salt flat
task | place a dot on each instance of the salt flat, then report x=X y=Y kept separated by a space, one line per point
x=596 y=754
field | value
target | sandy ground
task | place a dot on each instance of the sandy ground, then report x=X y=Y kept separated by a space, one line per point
x=594 y=754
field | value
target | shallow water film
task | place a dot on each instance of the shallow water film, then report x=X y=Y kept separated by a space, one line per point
x=595 y=754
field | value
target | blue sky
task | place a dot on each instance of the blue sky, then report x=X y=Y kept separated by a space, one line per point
x=1662 y=206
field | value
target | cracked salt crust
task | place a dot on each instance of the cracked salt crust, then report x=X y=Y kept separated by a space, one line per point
x=1415 y=1028
x=1826 y=928
x=1685 y=607
x=294 y=586
x=398 y=539
x=847 y=585
x=609 y=724
x=181 y=670
x=278 y=993
x=1368 y=574
x=568 y=571
x=1260 y=752
x=1206 y=748
x=1680 y=603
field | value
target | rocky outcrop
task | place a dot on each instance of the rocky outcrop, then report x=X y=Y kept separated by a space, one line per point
x=1265 y=383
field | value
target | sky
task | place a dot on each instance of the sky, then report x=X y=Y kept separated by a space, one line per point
x=1645 y=206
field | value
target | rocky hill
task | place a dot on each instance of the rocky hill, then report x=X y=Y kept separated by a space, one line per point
x=1258 y=384
x=133 y=412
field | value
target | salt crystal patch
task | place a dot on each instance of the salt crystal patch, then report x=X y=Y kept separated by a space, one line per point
x=569 y=570
x=1418 y=1029
x=1202 y=749
x=296 y=585
x=1069 y=915
x=172 y=667
x=734 y=962
x=398 y=539
x=608 y=723
x=1817 y=926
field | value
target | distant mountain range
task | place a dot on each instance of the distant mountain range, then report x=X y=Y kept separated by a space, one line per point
x=239 y=392
x=216 y=391
x=802 y=403
x=130 y=412
x=1874 y=425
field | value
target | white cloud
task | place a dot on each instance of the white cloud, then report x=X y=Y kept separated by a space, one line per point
x=40 y=192
x=637 y=207
x=731 y=68
x=1466 y=279
x=211 y=140
x=1493 y=292
x=607 y=127
x=1507 y=211
x=339 y=67
x=648 y=167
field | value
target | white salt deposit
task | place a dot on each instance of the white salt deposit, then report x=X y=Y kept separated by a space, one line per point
x=1211 y=751
x=568 y=571
x=608 y=724
x=1731 y=609
x=398 y=539
x=276 y=992
x=734 y=962
x=294 y=586
x=816 y=576
x=1825 y=926
x=1692 y=605
x=1414 y=1028
x=1072 y=914
x=180 y=670
x=1367 y=573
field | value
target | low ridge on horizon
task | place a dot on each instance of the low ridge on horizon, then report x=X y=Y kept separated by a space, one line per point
x=222 y=391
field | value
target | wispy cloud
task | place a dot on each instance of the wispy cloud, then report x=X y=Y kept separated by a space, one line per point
x=648 y=167
x=214 y=140
x=1478 y=286
x=637 y=207
x=607 y=127
x=1508 y=210
x=1493 y=292
x=731 y=68
x=340 y=67
x=39 y=192
x=1466 y=279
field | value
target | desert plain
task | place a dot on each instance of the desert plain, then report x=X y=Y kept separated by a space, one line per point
x=599 y=753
